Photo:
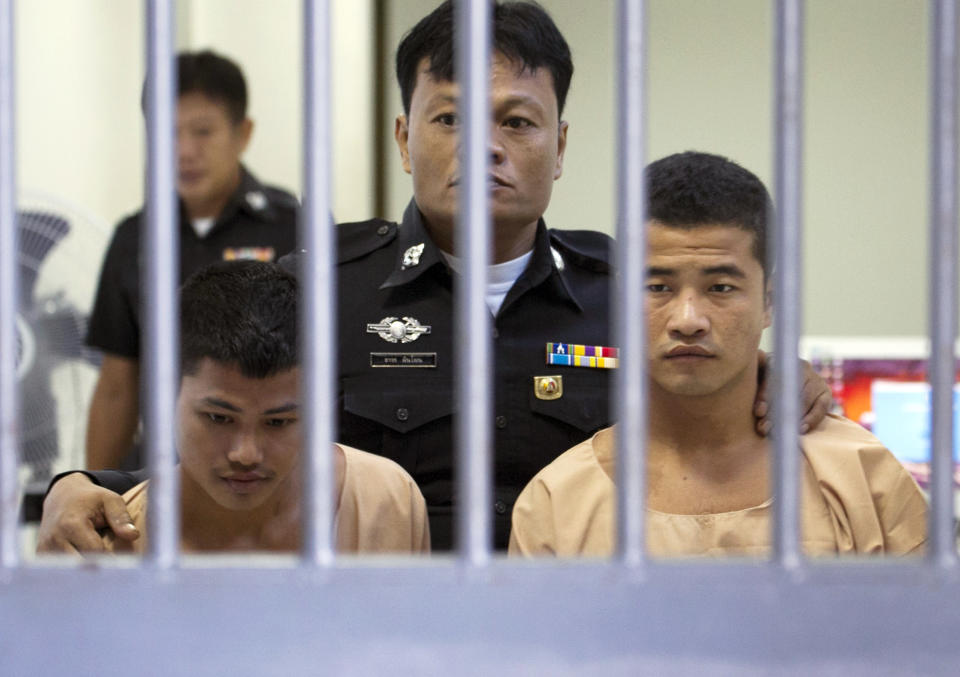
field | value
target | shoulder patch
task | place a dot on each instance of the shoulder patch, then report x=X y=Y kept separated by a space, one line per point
x=589 y=249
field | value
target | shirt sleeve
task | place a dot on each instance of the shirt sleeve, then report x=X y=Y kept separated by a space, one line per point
x=115 y=323
x=532 y=532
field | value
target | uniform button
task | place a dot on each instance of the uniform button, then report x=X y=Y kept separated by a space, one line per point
x=402 y=414
x=501 y=421
x=383 y=230
x=500 y=507
x=496 y=334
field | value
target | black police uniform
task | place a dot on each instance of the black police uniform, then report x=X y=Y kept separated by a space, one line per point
x=257 y=222
x=397 y=398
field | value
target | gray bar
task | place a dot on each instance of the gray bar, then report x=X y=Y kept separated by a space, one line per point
x=9 y=404
x=631 y=264
x=788 y=245
x=943 y=274
x=159 y=252
x=318 y=331
x=474 y=528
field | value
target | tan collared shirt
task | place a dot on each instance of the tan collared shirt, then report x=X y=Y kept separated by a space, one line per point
x=855 y=498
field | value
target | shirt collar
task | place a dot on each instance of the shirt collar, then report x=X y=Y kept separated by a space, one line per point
x=250 y=197
x=416 y=252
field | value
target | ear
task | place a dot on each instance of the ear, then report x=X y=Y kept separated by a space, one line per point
x=561 y=148
x=244 y=131
x=401 y=132
x=768 y=304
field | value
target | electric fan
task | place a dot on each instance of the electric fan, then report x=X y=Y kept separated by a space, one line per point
x=61 y=249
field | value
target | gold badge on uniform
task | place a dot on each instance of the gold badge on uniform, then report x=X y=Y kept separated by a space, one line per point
x=548 y=387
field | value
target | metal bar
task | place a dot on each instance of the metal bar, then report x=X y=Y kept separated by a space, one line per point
x=474 y=467
x=788 y=245
x=943 y=274
x=9 y=295
x=631 y=264
x=318 y=326
x=159 y=253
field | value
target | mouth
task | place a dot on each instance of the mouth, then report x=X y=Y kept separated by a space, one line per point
x=688 y=352
x=493 y=181
x=246 y=482
x=189 y=176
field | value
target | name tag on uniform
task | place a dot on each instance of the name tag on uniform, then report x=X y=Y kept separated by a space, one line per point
x=576 y=355
x=409 y=360
x=266 y=254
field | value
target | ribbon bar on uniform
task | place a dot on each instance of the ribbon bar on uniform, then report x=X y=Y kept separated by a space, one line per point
x=575 y=355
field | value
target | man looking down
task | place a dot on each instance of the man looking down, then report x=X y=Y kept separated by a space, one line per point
x=239 y=434
x=708 y=471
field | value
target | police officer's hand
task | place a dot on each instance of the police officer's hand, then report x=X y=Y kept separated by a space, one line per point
x=817 y=398
x=74 y=509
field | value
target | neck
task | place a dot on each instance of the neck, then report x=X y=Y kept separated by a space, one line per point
x=210 y=207
x=509 y=242
x=207 y=526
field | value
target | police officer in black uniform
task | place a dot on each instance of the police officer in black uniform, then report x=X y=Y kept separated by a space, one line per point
x=550 y=291
x=225 y=213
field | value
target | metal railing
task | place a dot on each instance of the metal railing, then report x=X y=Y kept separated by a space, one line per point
x=616 y=617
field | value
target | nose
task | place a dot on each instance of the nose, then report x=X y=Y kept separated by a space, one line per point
x=186 y=147
x=497 y=152
x=687 y=318
x=245 y=449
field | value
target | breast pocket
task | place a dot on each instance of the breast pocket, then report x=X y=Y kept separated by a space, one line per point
x=583 y=408
x=405 y=417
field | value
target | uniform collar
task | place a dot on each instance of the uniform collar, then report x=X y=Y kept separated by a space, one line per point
x=416 y=254
x=250 y=198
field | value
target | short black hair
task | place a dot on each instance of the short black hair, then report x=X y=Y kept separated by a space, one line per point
x=522 y=31
x=692 y=189
x=215 y=76
x=240 y=313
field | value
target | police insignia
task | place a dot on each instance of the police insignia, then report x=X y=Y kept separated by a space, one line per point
x=411 y=257
x=256 y=199
x=249 y=254
x=575 y=355
x=548 y=387
x=396 y=330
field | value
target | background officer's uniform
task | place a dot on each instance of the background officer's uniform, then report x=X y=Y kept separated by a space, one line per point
x=397 y=396
x=257 y=222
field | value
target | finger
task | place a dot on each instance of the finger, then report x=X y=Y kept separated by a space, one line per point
x=118 y=519
x=83 y=537
x=817 y=412
x=764 y=426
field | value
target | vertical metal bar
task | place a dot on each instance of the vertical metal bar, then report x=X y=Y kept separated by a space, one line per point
x=9 y=249
x=788 y=243
x=943 y=274
x=318 y=326
x=474 y=467
x=631 y=264
x=159 y=254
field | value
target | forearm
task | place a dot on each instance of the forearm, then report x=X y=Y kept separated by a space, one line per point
x=112 y=422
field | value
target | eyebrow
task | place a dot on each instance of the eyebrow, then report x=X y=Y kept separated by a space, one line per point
x=222 y=404
x=729 y=269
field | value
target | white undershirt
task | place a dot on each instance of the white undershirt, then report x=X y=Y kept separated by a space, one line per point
x=202 y=226
x=500 y=277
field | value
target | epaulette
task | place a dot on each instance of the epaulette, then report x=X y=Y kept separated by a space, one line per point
x=588 y=249
x=362 y=237
x=281 y=198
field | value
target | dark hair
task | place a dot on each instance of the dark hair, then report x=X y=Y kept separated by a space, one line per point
x=241 y=313
x=216 y=77
x=522 y=31
x=691 y=189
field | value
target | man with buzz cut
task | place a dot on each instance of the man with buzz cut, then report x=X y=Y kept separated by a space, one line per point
x=708 y=471
x=225 y=213
x=548 y=293
x=239 y=436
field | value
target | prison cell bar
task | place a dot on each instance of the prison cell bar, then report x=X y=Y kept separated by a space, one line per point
x=472 y=238
x=787 y=245
x=318 y=332
x=160 y=254
x=9 y=270
x=629 y=288
x=943 y=275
